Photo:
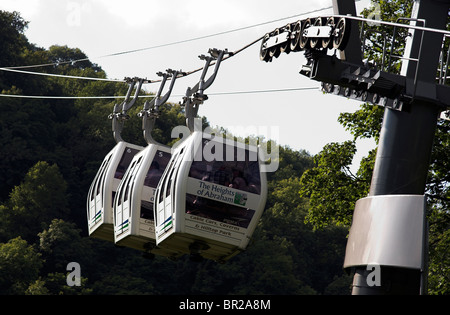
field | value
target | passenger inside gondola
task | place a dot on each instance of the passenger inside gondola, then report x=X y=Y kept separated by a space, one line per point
x=238 y=180
x=222 y=204
x=242 y=175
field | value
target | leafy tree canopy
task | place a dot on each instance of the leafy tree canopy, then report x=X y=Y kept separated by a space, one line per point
x=51 y=151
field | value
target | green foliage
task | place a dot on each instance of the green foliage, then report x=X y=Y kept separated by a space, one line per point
x=19 y=266
x=51 y=151
x=379 y=34
x=439 y=260
x=363 y=123
x=14 y=43
x=61 y=243
x=317 y=253
x=438 y=192
x=35 y=202
x=331 y=187
x=28 y=134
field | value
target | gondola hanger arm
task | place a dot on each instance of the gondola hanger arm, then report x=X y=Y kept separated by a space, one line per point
x=151 y=108
x=202 y=85
x=218 y=56
x=118 y=107
x=195 y=96
x=127 y=105
x=118 y=117
x=173 y=74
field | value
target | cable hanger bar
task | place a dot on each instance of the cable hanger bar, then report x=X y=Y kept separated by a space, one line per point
x=119 y=114
x=151 y=108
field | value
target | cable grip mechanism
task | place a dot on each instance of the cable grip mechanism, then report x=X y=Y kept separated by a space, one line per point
x=119 y=114
x=151 y=112
x=196 y=96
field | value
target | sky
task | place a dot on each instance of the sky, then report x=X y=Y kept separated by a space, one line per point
x=305 y=119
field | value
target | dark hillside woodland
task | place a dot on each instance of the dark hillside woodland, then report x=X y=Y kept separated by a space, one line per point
x=51 y=150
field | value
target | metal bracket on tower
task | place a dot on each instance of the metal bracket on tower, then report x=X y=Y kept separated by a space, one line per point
x=195 y=96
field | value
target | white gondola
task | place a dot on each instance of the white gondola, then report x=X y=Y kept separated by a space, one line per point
x=134 y=225
x=104 y=186
x=133 y=205
x=210 y=207
x=212 y=193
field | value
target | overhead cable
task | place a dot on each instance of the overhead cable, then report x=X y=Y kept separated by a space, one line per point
x=60 y=75
x=47 y=64
x=15 y=69
x=265 y=91
x=210 y=35
x=171 y=43
x=64 y=97
x=146 y=96
x=184 y=74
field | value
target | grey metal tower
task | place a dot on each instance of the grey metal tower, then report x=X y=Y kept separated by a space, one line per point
x=387 y=245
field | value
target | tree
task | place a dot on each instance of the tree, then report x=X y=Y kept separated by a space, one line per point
x=379 y=34
x=12 y=27
x=331 y=186
x=28 y=135
x=19 y=265
x=36 y=201
x=317 y=253
x=62 y=243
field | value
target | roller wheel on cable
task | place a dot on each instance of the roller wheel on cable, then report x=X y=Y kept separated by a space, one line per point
x=286 y=46
x=303 y=40
x=275 y=50
x=296 y=30
x=313 y=41
x=327 y=42
x=343 y=31
x=327 y=87
x=264 y=52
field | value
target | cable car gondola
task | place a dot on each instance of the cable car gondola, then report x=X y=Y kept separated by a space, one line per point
x=133 y=206
x=210 y=208
x=104 y=186
x=212 y=193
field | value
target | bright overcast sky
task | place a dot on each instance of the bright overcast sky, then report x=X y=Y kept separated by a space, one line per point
x=301 y=119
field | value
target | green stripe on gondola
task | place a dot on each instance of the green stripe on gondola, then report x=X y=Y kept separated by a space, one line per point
x=168 y=224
